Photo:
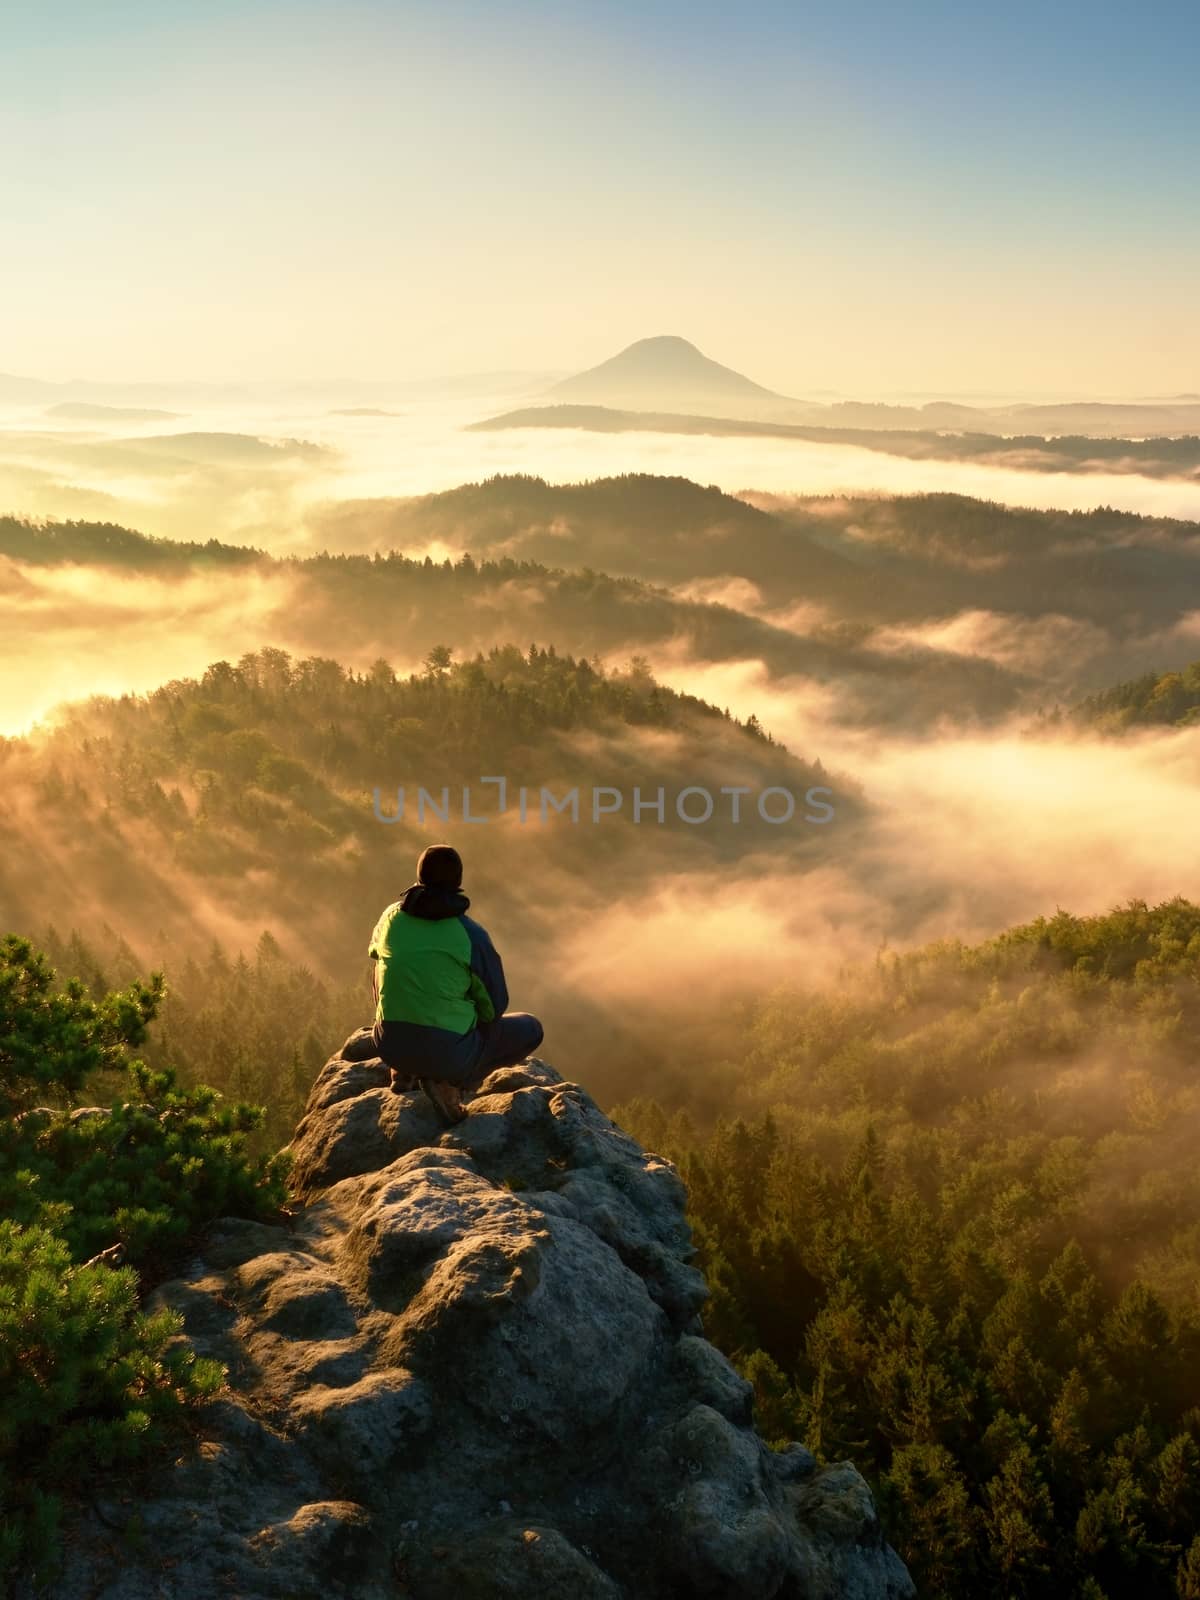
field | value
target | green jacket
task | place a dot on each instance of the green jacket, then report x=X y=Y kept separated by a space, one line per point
x=435 y=965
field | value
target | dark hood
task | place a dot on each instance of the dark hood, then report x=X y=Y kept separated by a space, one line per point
x=432 y=902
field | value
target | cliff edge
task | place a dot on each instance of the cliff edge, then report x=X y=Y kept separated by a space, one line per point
x=472 y=1366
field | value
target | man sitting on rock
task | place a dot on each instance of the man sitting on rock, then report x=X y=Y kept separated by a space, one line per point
x=440 y=994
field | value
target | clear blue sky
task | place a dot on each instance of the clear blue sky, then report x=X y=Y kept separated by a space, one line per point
x=857 y=195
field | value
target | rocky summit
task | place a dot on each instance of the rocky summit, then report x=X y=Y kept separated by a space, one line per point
x=472 y=1365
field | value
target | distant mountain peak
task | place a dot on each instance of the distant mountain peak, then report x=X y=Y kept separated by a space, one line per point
x=662 y=369
x=663 y=341
x=665 y=347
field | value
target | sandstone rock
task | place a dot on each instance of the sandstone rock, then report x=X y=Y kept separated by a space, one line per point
x=469 y=1368
x=328 y=1542
x=360 y=1046
x=515 y=1562
x=364 y=1430
x=712 y=1379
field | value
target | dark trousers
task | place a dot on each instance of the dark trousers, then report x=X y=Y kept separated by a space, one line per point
x=462 y=1059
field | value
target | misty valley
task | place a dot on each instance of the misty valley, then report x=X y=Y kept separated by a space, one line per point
x=843 y=841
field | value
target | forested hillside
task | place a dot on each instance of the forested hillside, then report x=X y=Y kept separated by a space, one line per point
x=97 y=1205
x=108 y=544
x=951 y=1213
x=901 y=613
x=948 y=1203
x=361 y=606
x=881 y=558
x=1155 y=700
x=264 y=795
x=254 y=1026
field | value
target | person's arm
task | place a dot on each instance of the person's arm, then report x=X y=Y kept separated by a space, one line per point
x=488 y=988
x=377 y=935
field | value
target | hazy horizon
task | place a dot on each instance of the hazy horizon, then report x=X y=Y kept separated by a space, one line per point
x=61 y=467
x=535 y=384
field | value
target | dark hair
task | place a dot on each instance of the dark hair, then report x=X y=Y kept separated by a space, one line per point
x=440 y=866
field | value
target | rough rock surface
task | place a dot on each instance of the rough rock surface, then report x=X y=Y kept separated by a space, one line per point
x=472 y=1366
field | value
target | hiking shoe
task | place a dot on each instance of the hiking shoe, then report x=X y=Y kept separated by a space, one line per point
x=446 y=1099
x=404 y=1082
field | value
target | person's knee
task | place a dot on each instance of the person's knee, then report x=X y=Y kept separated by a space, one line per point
x=536 y=1033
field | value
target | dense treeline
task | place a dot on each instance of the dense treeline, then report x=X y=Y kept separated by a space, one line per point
x=272 y=740
x=954 y=1234
x=110 y=544
x=865 y=560
x=880 y=559
x=97 y=1204
x=638 y=563
x=1164 y=456
x=243 y=801
x=1156 y=699
x=289 y=751
x=644 y=503
x=388 y=603
x=255 y=1028
x=873 y=576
